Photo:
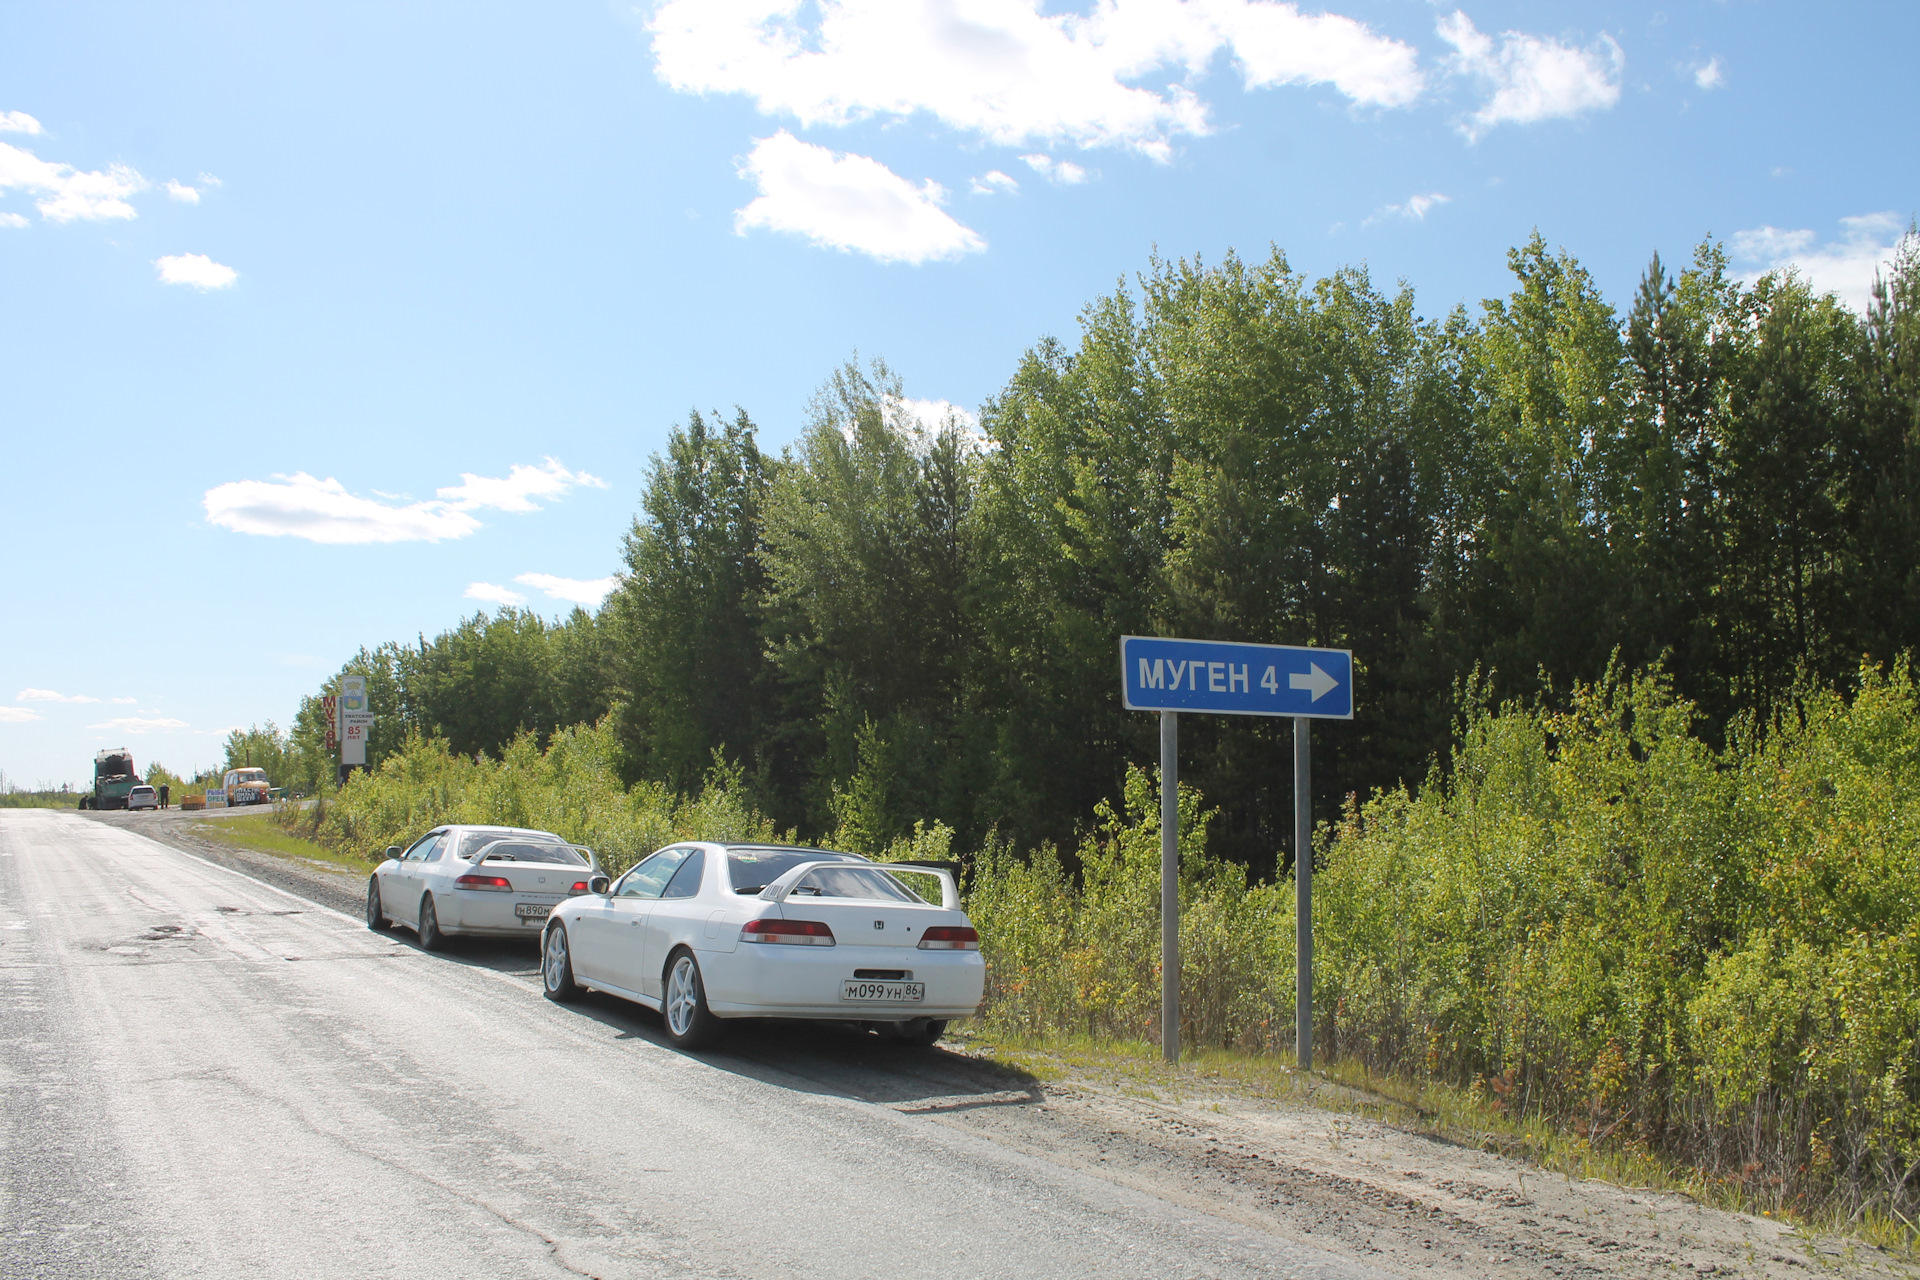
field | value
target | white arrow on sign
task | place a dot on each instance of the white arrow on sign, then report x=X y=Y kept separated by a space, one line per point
x=1315 y=679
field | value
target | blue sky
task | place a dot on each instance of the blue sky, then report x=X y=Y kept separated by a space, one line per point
x=319 y=316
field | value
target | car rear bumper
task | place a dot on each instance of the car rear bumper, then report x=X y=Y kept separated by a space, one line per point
x=762 y=981
x=472 y=911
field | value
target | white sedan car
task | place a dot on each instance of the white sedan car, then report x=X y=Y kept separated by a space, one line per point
x=705 y=932
x=493 y=881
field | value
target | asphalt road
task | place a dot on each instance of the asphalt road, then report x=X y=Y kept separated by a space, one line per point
x=204 y=1075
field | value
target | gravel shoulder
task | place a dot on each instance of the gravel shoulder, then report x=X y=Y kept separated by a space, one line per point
x=1400 y=1201
x=319 y=882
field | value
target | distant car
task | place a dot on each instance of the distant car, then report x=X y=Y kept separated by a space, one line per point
x=492 y=881
x=143 y=797
x=706 y=932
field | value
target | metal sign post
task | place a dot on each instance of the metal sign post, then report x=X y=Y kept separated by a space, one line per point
x=1224 y=678
x=1303 y=893
x=1170 y=885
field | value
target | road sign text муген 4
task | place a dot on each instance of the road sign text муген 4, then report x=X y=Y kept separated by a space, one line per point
x=1224 y=678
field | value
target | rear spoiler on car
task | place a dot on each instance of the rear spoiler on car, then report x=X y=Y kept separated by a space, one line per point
x=949 y=883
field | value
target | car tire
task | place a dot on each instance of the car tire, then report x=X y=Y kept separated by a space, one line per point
x=431 y=937
x=556 y=967
x=376 y=916
x=921 y=1033
x=683 y=1005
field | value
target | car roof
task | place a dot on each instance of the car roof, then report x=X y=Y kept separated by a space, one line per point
x=790 y=848
x=505 y=831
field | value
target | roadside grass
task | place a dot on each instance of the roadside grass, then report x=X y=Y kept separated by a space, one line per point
x=39 y=799
x=1438 y=1110
x=263 y=833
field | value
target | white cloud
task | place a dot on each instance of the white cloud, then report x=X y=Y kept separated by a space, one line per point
x=849 y=202
x=67 y=193
x=48 y=695
x=323 y=511
x=1710 y=76
x=124 y=702
x=12 y=220
x=18 y=122
x=138 y=724
x=493 y=594
x=1845 y=267
x=1531 y=78
x=587 y=591
x=518 y=489
x=195 y=269
x=1276 y=44
x=1417 y=207
x=1006 y=72
x=1064 y=172
x=990 y=183
x=921 y=421
x=301 y=506
x=17 y=715
x=182 y=192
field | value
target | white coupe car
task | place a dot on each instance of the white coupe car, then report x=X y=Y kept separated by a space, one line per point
x=705 y=932
x=493 y=881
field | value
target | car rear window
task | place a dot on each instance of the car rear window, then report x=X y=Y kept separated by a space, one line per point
x=846 y=882
x=752 y=870
x=533 y=851
x=472 y=842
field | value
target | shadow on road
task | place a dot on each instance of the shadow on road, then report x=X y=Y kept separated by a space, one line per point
x=829 y=1059
x=841 y=1060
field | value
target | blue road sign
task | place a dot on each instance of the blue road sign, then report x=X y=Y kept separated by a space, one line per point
x=1223 y=678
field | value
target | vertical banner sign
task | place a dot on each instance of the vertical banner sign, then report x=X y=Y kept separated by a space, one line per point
x=356 y=721
x=1216 y=677
x=332 y=712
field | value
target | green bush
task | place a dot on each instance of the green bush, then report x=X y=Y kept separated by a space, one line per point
x=1080 y=953
x=1595 y=917
x=571 y=789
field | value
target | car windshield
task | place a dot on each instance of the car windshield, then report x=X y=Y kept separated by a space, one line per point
x=250 y=775
x=752 y=869
x=531 y=851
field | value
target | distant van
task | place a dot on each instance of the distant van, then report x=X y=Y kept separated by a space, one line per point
x=240 y=786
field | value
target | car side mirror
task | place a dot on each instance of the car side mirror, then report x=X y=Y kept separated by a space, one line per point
x=599 y=884
x=393 y=851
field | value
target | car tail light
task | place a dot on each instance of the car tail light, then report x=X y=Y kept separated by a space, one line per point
x=579 y=886
x=794 y=933
x=483 y=882
x=950 y=937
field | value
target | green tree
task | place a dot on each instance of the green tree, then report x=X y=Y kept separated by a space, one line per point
x=683 y=634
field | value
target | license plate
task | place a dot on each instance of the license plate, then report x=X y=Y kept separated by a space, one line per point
x=533 y=910
x=866 y=991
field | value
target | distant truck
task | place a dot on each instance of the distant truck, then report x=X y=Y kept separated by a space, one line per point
x=113 y=778
x=240 y=786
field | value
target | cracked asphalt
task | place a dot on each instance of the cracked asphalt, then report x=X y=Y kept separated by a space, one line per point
x=210 y=1067
x=207 y=1076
